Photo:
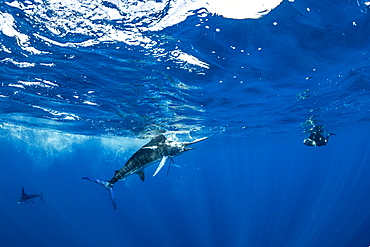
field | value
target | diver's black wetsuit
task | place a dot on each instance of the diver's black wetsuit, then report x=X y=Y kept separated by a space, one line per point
x=317 y=139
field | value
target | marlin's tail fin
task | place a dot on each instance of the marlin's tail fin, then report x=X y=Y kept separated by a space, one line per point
x=42 y=199
x=108 y=186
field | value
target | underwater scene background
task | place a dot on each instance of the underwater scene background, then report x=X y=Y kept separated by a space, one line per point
x=86 y=83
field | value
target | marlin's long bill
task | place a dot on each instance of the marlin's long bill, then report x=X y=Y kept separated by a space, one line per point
x=197 y=140
x=108 y=186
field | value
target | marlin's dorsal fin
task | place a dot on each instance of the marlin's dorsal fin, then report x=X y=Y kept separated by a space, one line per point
x=141 y=175
x=23 y=191
x=161 y=164
x=155 y=141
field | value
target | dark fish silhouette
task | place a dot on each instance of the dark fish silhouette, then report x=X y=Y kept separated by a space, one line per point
x=158 y=149
x=28 y=198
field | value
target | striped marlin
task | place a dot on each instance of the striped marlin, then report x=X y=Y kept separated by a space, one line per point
x=159 y=149
x=28 y=198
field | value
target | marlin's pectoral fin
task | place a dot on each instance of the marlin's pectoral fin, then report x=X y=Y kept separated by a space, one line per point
x=161 y=164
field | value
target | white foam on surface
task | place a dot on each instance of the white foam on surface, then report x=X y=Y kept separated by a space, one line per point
x=125 y=21
x=8 y=28
x=242 y=9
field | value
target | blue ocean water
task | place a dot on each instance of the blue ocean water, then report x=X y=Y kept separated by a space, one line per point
x=86 y=83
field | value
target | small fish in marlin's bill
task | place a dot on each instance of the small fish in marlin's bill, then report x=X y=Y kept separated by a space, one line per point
x=159 y=149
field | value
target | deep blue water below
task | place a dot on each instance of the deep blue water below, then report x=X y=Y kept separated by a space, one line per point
x=228 y=192
x=84 y=84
